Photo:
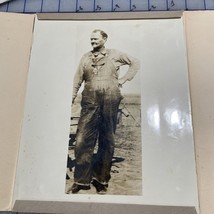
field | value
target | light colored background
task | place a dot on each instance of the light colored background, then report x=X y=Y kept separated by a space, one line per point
x=200 y=43
x=15 y=43
x=169 y=176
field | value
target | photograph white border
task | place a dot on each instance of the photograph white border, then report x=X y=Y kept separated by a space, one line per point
x=172 y=143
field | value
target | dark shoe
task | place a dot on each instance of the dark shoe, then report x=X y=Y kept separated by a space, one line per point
x=76 y=188
x=100 y=188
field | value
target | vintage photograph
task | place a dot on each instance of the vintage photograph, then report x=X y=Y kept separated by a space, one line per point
x=105 y=148
x=126 y=138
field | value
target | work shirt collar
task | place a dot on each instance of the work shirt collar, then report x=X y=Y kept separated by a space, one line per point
x=102 y=51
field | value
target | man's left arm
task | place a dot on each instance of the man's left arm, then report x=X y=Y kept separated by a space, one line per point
x=134 y=67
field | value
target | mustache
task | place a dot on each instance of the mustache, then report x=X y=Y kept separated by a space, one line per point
x=93 y=43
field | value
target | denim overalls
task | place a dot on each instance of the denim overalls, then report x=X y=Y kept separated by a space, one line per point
x=100 y=101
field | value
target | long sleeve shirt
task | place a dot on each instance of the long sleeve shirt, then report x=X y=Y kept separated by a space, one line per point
x=117 y=58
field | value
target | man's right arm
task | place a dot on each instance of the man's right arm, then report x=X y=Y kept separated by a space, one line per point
x=78 y=79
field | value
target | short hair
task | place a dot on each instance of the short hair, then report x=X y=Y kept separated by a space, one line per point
x=103 y=33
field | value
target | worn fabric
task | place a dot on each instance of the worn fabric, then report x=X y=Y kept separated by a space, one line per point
x=117 y=58
x=100 y=101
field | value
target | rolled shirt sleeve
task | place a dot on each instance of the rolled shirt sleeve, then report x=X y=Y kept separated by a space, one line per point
x=134 y=66
x=78 y=78
x=119 y=59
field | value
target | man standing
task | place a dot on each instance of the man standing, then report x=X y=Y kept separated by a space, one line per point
x=99 y=70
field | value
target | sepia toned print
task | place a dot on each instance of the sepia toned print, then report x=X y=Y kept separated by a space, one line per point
x=104 y=154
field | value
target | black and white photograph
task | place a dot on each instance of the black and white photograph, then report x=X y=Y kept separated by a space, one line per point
x=105 y=150
x=107 y=115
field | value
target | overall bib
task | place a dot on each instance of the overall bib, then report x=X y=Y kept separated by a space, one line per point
x=100 y=101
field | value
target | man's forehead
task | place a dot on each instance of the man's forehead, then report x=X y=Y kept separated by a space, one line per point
x=96 y=34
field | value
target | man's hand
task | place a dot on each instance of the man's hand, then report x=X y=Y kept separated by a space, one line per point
x=121 y=81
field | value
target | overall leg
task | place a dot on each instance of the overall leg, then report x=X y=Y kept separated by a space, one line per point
x=85 y=142
x=102 y=166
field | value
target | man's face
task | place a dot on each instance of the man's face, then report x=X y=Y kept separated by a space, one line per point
x=97 y=40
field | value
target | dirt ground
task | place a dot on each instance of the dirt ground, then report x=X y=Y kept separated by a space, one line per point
x=126 y=172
